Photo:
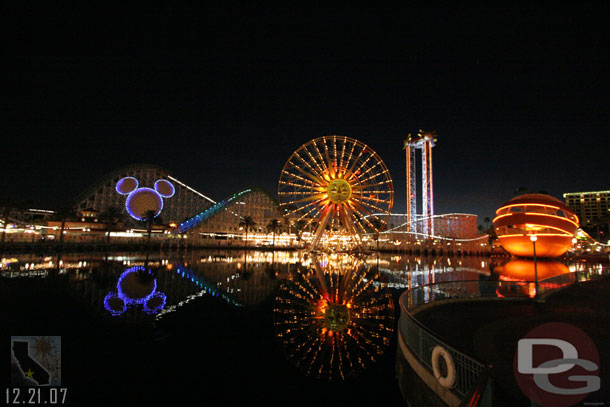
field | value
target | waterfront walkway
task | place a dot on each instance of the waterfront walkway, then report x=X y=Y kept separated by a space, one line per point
x=495 y=327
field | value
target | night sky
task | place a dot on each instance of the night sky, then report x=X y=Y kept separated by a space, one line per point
x=221 y=96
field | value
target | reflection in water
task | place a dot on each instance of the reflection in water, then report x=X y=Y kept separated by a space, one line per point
x=523 y=269
x=335 y=317
x=238 y=278
x=205 y=288
x=404 y=272
x=135 y=286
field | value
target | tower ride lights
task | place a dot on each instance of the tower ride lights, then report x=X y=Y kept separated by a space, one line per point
x=424 y=141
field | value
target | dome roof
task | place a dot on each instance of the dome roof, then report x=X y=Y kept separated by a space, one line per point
x=542 y=215
x=537 y=199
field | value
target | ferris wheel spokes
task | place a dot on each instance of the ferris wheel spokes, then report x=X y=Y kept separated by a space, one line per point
x=337 y=183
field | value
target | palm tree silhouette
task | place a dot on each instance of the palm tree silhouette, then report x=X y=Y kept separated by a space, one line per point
x=287 y=211
x=110 y=216
x=247 y=223
x=379 y=226
x=299 y=227
x=287 y=225
x=273 y=227
x=487 y=221
x=150 y=219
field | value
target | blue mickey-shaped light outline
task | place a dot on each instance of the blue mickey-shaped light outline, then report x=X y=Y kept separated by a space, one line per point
x=133 y=191
x=128 y=301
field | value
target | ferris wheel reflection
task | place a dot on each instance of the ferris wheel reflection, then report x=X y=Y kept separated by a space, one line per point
x=334 y=317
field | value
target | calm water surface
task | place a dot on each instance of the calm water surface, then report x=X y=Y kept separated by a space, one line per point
x=230 y=327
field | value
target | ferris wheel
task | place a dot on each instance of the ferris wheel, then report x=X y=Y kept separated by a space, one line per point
x=336 y=183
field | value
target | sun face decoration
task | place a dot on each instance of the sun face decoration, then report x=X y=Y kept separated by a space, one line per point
x=339 y=191
x=336 y=184
x=334 y=318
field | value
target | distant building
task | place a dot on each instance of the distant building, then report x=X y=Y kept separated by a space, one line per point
x=23 y=215
x=88 y=214
x=593 y=209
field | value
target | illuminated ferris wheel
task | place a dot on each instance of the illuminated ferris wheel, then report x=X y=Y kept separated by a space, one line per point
x=336 y=183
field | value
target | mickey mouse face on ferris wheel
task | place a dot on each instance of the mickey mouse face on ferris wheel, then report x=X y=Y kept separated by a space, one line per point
x=141 y=200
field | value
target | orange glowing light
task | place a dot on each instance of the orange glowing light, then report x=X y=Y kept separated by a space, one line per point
x=535 y=214
x=525 y=270
x=529 y=204
x=337 y=182
x=513 y=228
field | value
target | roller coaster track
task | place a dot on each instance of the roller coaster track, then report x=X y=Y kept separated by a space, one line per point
x=206 y=287
x=212 y=210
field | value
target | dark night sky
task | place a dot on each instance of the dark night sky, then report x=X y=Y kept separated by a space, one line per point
x=222 y=96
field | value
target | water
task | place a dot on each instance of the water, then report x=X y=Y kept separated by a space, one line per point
x=230 y=327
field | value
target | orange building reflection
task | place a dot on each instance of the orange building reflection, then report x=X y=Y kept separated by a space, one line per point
x=523 y=270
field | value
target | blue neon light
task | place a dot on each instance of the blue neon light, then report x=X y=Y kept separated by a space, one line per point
x=124 y=190
x=112 y=299
x=212 y=210
x=133 y=192
x=152 y=303
x=124 y=296
x=163 y=182
x=207 y=288
x=151 y=308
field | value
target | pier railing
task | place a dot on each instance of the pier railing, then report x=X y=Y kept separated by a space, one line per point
x=422 y=341
x=472 y=382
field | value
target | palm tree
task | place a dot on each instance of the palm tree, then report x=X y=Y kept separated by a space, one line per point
x=492 y=235
x=150 y=219
x=298 y=228
x=287 y=224
x=287 y=211
x=273 y=227
x=379 y=226
x=487 y=221
x=247 y=223
x=64 y=215
x=110 y=216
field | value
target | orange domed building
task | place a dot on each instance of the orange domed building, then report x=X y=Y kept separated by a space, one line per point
x=550 y=220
